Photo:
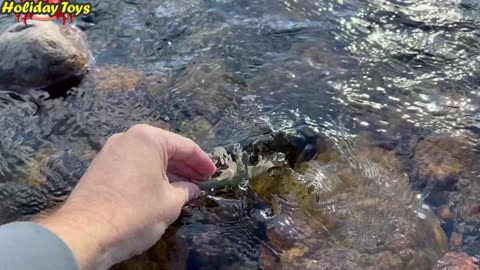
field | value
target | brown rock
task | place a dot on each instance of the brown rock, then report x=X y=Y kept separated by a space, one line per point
x=456 y=240
x=207 y=89
x=268 y=259
x=390 y=262
x=439 y=161
x=171 y=252
x=115 y=78
x=457 y=261
x=278 y=240
x=444 y=212
x=41 y=53
x=387 y=159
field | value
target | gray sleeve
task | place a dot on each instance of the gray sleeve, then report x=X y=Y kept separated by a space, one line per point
x=29 y=246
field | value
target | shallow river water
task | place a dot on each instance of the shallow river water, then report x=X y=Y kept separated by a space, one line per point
x=390 y=89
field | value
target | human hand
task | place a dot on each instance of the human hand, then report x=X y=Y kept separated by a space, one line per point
x=125 y=201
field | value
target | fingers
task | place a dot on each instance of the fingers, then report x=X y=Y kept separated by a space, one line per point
x=175 y=178
x=180 y=168
x=184 y=192
x=185 y=158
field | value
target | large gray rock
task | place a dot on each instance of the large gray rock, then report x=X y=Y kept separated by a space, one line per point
x=41 y=53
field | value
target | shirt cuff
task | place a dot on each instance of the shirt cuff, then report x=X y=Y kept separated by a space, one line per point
x=29 y=246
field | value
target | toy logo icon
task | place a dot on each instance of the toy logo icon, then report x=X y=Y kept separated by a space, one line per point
x=45 y=10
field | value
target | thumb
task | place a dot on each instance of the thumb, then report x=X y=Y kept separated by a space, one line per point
x=185 y=191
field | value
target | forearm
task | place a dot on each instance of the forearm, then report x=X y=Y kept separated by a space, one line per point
x=97 y=243
x=83 y=239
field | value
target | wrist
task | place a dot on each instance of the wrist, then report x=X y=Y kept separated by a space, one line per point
x=87 y=237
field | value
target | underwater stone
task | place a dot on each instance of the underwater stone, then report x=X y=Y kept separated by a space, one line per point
x=365 y=223
x=122 y=79
x=41 y=53
x=51 y=176
x=170 y=252
x=439 y=162
x=115 y=78
x=456 y=261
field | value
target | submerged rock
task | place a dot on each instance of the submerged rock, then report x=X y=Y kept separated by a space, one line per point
x=446 y=168
x=352 y=219
x=439 y=162
x=41 y=53
x=19 y=201
x=206 y=91
x=116 y=78
x=50 y=178
x=168 y=253
x=352 y=215
x=457 y=261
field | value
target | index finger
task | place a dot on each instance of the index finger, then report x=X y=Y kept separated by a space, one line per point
x=186 y=158
x=183 y=156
